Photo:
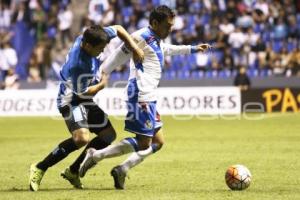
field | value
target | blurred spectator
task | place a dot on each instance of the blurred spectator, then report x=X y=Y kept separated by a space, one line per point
x=263 y=6
x=294 y=62
x=277 y=67
x=8 y=58
x=242 y=80
x=65 y=17
x=293 y=28
x=260 y=50
x=98 y=9
x=202 y=61
x=245 y=20
x=85 y=22
x=11 y=81
x=221 y=42
x=280 y=30
x=52 y=22
x=226 y=27
x=211 y=30
x=38 y=20
x=261 y=35
x=5 y=16
x=33 y=70
x=231 y=11
x=251 y=37
x=215 y=66
x=237 y=39
x=284 y=59
x=179 y=23
x=22 y=13
x=227 y=61
x=269 y=59
x=41 y=61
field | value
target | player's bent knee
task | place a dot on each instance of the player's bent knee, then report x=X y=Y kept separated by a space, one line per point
x=81 y=137
x=81 y=141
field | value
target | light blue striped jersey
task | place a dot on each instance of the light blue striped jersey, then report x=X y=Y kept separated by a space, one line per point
x=79 y=72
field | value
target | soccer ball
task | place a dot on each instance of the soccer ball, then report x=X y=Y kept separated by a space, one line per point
x=238 y=177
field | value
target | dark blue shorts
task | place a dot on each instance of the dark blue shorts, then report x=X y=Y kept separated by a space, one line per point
x=85 y=115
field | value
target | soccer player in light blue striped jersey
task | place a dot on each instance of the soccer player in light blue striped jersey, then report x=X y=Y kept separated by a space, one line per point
x=80 y=82
x=142 y=118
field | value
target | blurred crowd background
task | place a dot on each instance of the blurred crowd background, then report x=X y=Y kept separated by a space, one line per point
x=259 y=36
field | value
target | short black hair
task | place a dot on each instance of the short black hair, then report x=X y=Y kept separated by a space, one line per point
x=160 y=13
x=95 y=35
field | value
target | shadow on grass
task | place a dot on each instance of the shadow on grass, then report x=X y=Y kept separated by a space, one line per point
x=12 y=190
x=260 y=191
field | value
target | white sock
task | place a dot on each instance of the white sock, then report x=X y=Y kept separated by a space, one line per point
x=125 y=146
x=135 y=159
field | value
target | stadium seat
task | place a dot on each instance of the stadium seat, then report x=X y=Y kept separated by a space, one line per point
x=218 y=55
x=197 y=75
x=291 y=45
x=205 y=18
x=125 y=75
x=183 y=74
x=252 y=72
x=127 y=12
x=298 y=19
x=208 y=74
x=116 y=76
x=225 y=73
x=259 y=28
x=169 y=75
x=176 y=62
x=277 y=45
x=263 y=73
x=266 y=36
x=234 y=73
x=191 y=61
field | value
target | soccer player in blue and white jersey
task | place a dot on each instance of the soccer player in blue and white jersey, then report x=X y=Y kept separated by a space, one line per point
x=142 y=118
x=79 y=83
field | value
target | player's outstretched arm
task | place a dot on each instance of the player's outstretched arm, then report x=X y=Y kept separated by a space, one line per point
x=171 y=50
x=138 y=54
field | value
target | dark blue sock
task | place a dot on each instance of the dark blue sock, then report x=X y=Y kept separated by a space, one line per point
x=58 y=154
x=96 y=143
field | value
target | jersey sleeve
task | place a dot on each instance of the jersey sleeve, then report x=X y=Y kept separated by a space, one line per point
x=171 y=50
x=119 y=57
x=111 y=32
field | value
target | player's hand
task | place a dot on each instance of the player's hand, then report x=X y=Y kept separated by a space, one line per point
x=138 y=55
x=203 y=47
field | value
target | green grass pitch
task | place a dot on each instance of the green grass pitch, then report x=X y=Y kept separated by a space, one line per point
x=191 y=165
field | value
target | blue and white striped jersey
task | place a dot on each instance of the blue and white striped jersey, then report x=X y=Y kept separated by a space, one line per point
x=79 y=72
x=144 y=77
